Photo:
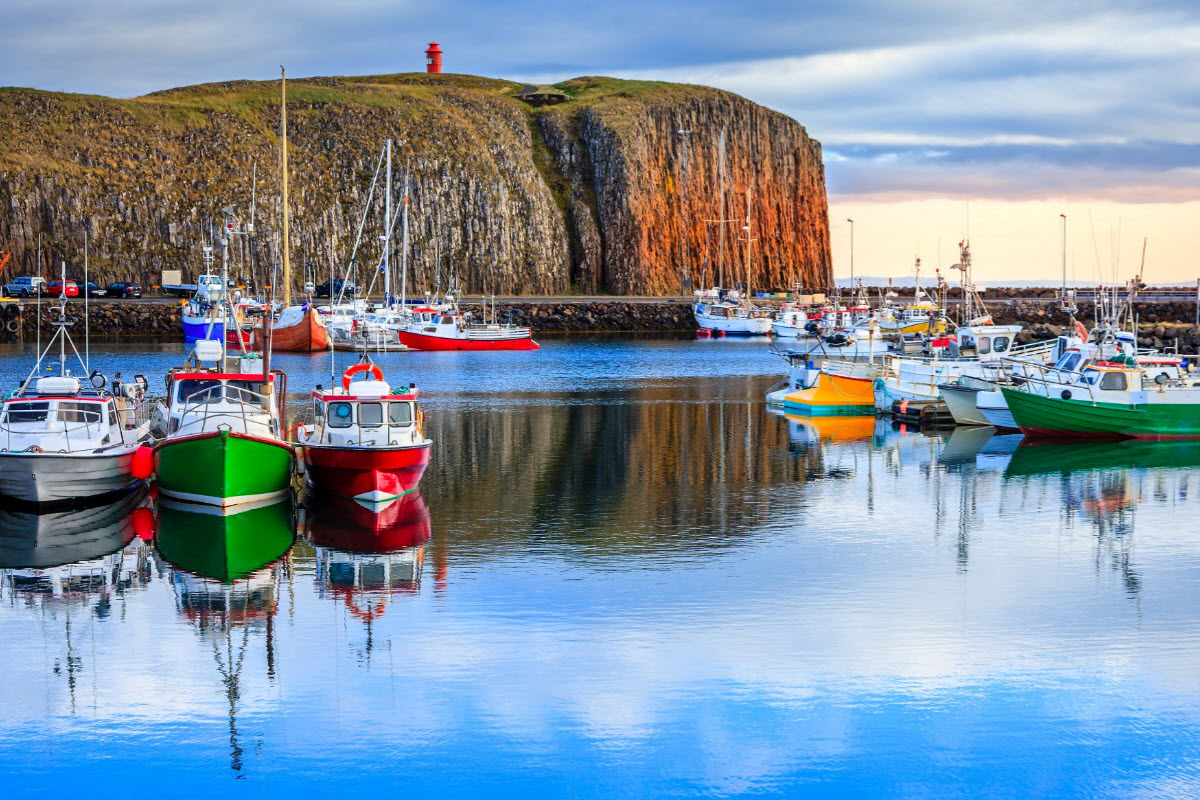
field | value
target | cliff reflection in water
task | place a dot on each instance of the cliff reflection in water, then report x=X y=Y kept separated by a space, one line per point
x=627 y=471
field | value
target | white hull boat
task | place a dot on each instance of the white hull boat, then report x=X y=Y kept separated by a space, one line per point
x=961 y=402
x=994 y=408
x=46 y=478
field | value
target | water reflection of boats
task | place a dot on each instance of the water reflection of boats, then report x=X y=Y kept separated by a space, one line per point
x=1067 y=457
x=344 y=524
x=981 y=448
x=224 y=545
x=38 y=541
x=365 y=560
x=808 y=431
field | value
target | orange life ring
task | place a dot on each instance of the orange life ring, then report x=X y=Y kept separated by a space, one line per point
x=357 y=368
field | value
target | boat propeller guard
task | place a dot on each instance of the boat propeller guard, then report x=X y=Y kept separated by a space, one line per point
x=356 y=369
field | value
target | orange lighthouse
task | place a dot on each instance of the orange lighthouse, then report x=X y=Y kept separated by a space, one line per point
x=433 y=58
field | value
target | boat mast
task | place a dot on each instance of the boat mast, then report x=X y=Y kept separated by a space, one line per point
x=721 y=212
x=404 y=245
x=748 y=240
x=287 y=264
x=387 y=232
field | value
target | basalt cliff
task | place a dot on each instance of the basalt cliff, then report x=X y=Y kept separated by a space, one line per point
x=627 y=187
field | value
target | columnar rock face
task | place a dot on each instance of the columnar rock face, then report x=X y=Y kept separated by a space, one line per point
x=600 y=194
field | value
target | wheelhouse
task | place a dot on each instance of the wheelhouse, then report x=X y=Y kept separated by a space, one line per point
x=366 y=415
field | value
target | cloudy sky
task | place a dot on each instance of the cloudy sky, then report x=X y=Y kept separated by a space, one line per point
x=938 y=119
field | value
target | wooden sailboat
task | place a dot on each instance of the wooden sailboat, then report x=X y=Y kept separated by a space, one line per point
x=299 y=329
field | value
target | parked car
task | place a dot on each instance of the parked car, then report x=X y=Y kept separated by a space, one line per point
x=55 y=288
x=335 y=287
x=25 y=287
x=125 y=290
x=93 y=290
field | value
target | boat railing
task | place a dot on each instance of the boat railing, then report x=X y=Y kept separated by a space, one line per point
x=1046 y=376
x=249 y=406
x=856 y=369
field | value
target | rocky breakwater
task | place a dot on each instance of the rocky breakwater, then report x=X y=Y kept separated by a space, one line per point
x=104 y=320
x=1162 y=325
x=602 y=192
x=595 y=317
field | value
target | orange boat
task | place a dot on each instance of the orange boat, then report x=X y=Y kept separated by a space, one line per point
x=299 y=329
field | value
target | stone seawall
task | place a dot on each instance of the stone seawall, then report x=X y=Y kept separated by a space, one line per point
x=1162 y=324
x=111 y=320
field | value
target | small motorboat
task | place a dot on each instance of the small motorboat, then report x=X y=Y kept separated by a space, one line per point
x=63 y=440
x=368 y=440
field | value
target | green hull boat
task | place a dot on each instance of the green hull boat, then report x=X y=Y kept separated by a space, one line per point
x=1038 y=415
x=224 y=545
x=223 y=469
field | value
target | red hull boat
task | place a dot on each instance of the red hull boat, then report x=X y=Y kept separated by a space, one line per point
x=446 y=329
x=420 y=341
x=372 y=474
x=368 y=441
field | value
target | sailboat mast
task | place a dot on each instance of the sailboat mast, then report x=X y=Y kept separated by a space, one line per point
x=387 y=232
x=404 y=247
x=721 y=212
x=748 y=290
x=287 y=264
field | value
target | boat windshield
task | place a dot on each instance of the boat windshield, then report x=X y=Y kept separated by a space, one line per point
x=26 y=412
x=194 y=389
x=400 y=413
x=79 y=412
x=1068 y=362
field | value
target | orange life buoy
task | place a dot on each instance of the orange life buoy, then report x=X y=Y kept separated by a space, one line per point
x=357 y=368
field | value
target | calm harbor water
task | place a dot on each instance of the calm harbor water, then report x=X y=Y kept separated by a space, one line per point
x=624 y=577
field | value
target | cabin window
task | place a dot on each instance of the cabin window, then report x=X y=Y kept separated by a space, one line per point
x=340 y=415
x=985 y=345
x=446 y=320
x=193 y=390
x=78 y=412
x=318 y=409
x=27 y=412
x=1068 y=362
x=370 y=415
x=239 y=394
x=1114 y=382
x=1001 y=343
x=400 y=413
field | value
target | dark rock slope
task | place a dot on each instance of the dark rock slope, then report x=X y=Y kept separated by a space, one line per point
x=603 y=193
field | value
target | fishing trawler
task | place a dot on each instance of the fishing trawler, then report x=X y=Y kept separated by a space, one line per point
x=367 y=441
x=223 y=427
x=63 y=439
x=441 y=325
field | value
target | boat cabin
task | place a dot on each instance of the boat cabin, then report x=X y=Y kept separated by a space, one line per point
x=990 y=342
x=204 y=400
x=368 y=413
x=61 y=414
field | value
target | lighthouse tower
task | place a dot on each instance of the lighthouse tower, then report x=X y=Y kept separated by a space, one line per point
x=433 y=58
